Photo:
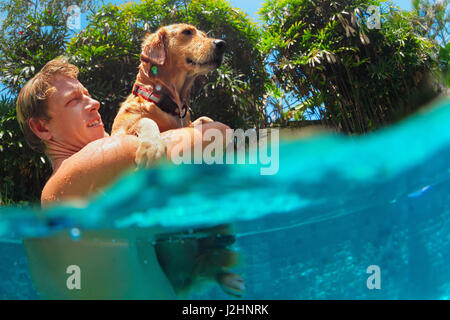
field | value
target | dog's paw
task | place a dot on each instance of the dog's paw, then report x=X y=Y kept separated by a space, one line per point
x=202 y=120
x=150 y=153
x=151 y=147
x=231 y=283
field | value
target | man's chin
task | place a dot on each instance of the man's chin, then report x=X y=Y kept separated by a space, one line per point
x=98 y=134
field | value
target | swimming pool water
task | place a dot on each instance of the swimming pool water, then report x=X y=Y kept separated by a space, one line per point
x=337 y=206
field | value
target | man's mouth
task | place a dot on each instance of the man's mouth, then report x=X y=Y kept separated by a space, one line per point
x=95 y=123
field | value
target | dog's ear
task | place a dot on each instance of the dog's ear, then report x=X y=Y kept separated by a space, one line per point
x=154 y=48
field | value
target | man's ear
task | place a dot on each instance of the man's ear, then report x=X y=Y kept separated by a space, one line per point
x=154 y=48
x=40 y=128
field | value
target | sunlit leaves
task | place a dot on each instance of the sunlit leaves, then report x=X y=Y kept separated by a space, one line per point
x=323 y=52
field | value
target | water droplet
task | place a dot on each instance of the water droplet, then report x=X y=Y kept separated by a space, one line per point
x=75 y=234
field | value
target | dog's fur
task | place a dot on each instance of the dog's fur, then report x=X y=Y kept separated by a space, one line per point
x=180 y=58
x=181 y=53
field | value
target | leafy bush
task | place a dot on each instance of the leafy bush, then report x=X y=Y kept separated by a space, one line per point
x=23 y=172
x=358 y=79
x=431 y=18
x=41 y=38
x=322 y=56
x=444 y=56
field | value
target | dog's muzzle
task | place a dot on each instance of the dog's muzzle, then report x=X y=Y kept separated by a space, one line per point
x=220 y=46
x=219 y=50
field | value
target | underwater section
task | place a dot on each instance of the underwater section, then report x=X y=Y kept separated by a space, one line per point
x=337 y=206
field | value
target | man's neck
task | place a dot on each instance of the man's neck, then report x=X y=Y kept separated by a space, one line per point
x=58 y=154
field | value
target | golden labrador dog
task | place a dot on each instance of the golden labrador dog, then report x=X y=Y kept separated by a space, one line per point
x=171 y=59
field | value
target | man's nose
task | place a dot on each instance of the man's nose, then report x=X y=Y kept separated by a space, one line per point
x=93 y=104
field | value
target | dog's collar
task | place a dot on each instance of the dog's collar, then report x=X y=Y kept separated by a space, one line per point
x=162 y=101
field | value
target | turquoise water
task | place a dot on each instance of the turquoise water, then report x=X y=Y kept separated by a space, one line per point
x=337 y=205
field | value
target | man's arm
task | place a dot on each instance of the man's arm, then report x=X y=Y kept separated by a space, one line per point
x=91 y=169
x=101 y=162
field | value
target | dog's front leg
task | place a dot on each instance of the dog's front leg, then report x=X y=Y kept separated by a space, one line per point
x=151 y=147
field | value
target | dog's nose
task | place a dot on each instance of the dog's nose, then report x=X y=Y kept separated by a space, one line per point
x=220 y=45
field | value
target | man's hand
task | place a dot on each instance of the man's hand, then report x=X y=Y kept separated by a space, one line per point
x=151 y=147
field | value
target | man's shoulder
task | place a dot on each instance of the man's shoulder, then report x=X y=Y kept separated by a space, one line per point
x=110 y=146
x=92 y=168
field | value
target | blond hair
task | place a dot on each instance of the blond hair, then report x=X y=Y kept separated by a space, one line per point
x=32 y=99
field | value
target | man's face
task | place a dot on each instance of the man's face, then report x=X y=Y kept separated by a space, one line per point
x=75 y=120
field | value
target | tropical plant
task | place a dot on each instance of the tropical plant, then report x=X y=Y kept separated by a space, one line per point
x=33 y=34
x=432 y=19
x=354 y=78
x=22 y=171
x=444 y=56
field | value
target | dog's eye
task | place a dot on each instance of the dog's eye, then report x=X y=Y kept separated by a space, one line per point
x=187 y=32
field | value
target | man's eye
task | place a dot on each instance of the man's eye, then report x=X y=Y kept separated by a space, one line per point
x=187 y=32
x=72 y=101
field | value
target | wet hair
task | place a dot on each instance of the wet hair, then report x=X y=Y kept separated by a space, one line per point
x=33 y=97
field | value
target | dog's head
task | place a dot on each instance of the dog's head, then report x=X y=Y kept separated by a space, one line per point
x=181 y=47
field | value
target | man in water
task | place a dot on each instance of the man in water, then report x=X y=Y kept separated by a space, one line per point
x=58 y=116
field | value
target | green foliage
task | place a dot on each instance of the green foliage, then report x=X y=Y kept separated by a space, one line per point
x=324 y=54
x=15 y=12
x=41 y=39
x=432 y=19
x=22 y=171
x=31 y=34
x=38 y=38
x=444 y=55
